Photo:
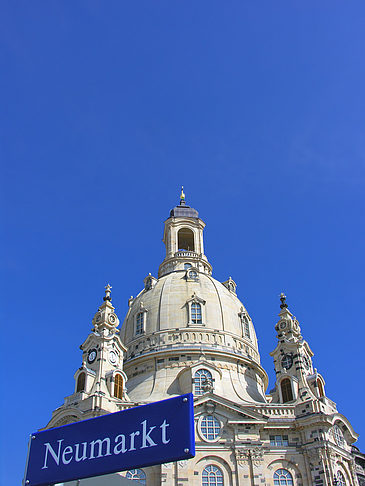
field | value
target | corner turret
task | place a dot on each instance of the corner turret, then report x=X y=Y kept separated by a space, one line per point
x=296 y=379
x=100 y=382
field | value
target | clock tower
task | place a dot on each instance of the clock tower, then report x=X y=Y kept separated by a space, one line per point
x=100 y=382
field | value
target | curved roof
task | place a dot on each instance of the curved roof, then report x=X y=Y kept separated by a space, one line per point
x=167 y=305
x=183 y=211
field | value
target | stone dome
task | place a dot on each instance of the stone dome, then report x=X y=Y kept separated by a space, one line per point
x=166 y=306
x=186 y=322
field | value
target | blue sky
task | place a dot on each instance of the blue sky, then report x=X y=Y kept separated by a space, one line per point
x=107 y=108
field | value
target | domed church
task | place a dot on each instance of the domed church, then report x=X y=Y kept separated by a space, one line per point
x=187 y=332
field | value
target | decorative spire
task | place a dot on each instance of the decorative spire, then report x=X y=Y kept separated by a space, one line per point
x=182 y=197
x=107 y=293
x=283 y=304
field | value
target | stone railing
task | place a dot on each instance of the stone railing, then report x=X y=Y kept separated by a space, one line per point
x=186 y=253
x=277 y=411
x=204 y=338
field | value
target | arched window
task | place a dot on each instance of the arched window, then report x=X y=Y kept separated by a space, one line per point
x=140 y=323
x=185 y=239
x=81 y=382
x=118 y=386
x=340 y=479
x=282 y=477
x=212 y=476
x=320 y=388
x=286 y=390
x=202 y=380
x=136 y=475
x=210 y=427
x=187 y=266
x=196 y=313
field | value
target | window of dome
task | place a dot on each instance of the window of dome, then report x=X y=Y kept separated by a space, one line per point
x=282 y=477
x=286 y=390
x=187 y=266
x=136 y=475
x=212 y=476
x=185 y=239
x=203 y=380
x=140 y=321
x=245 y=323
x=193 y=275
x=338 y=435
x=210 y=427
x=81 y=382
x=196 y=313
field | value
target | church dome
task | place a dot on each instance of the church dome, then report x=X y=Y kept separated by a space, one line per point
x=176 y=303
x=186 y=319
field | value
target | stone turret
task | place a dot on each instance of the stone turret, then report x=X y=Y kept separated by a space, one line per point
x=296 y=379
x=100 y=382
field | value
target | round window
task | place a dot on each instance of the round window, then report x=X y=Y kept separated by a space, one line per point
x=210 y=427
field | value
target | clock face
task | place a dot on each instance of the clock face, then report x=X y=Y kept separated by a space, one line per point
x=112 y=319
x=92 y=355
x=282 y=325
x=113 y=357
x=287 y=362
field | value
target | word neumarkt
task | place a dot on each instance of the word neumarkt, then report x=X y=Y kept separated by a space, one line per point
x=119 y=444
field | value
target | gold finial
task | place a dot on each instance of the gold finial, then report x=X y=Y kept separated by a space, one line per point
x=182 y=196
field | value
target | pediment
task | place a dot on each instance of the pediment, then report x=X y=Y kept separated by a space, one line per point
x=244 y=413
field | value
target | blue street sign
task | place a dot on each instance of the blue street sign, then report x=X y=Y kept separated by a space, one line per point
x=138 y=437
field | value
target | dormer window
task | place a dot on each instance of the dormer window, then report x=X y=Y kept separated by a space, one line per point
x=196 y=313
x=149 y=282
x=245 y=324
x=187 y=266
x=140 y=323
x=191 y=274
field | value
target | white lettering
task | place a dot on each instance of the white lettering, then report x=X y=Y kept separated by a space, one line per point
x=100 y=444
x=146 y=437
x=67 y=450
x=77 y=458
x=133 y=434
x=163 y=427
x=55 y=456
x=120 y=444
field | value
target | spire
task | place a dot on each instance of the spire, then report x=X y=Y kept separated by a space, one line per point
x=182 y=197
x=106 y=318
x=283 y=304
x=107 y=293
x=288 y=326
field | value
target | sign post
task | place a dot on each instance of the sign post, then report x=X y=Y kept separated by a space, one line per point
x=138 y=437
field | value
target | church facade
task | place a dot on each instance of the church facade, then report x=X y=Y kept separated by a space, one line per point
x=187 y=332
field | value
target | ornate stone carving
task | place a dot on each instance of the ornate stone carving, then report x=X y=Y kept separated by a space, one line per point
x=254 y=454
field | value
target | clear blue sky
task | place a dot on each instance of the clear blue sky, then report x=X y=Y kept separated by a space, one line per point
x=257 y=108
